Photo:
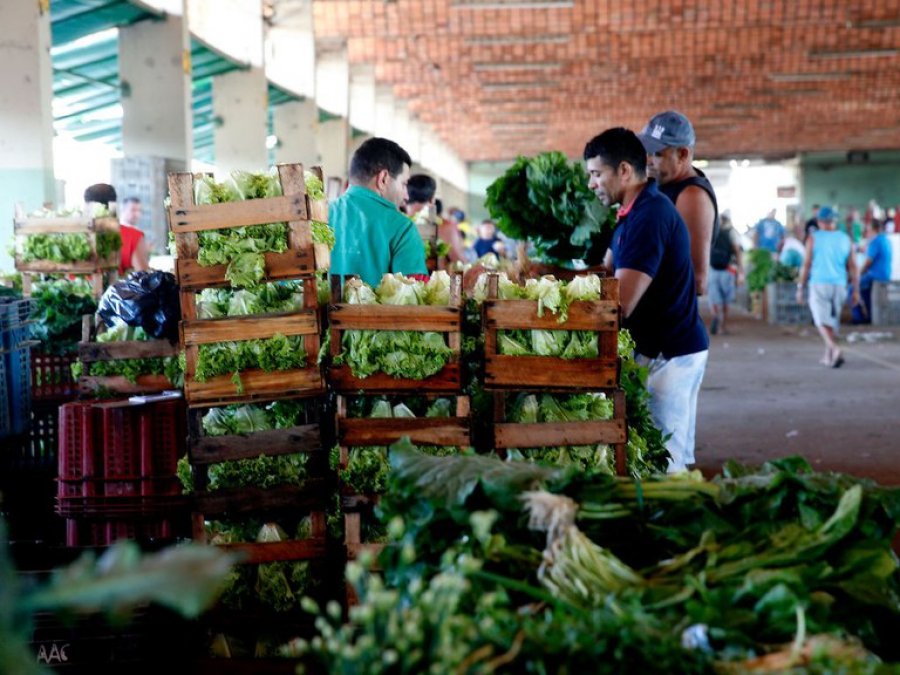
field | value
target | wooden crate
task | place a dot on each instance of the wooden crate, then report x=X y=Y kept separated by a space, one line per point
x=206 y=450
x=443 y=319
x=95 y=267
x=90 y=351
x=612 y=432
x=257 y=384
x=355 y=432
x=186 y=219
x=547 y=372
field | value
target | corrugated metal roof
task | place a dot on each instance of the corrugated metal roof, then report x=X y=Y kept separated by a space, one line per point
x=86 y=86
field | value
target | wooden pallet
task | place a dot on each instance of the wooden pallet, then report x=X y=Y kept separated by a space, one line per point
x=547 y=372
x=443 y=319
x=186 y=219
x=90 y=351
x=612 y=432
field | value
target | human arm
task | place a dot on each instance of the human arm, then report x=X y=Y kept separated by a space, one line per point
x=140 y=259
x=632 y=286
x=449 y=233
x=853 y=273
x=738 y=256
x=698 y=213
x=804 y=269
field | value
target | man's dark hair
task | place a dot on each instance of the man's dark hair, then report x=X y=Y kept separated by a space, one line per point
x=421 y=188
x=438 y=206
x=131 y=200
x=618 y=145
x=102 y=193
x=877 y=225
x=375 y=155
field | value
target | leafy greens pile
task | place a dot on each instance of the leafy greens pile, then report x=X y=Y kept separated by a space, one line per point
x=546 y=200
x=261 y=472
x=401 y=354
x=543 y=408
x=280 y=296
x=523 y=568
x=131 y=369
x=276 y=586
x=56 y=308
x=245 y=419
x=553 y=296
x=69 y=247
x=278 y=352
x=367 y=467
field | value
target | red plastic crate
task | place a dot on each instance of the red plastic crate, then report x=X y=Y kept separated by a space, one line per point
x=106 y=532
x=115 y=449
x=51 y=376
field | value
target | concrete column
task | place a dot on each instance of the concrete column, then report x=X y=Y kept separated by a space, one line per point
x=152 y=68
x=240 y=101
x=156 y=89
x=384 y=111
x=297 y=126
x=291 y=48
x=26 y=119
x=362 y=97
x=333 y=79
x=334 y=147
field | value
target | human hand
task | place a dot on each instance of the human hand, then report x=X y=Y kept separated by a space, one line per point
x=799 y=293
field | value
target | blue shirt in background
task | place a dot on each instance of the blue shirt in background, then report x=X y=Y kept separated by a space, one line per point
x=879 y=251
x=653 y=239
x=829 y=257
x=771 y=232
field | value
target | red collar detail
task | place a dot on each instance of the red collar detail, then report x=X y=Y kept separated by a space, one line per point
x=625 y=210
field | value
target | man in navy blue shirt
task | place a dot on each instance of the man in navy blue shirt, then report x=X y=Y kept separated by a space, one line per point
x=651 y=256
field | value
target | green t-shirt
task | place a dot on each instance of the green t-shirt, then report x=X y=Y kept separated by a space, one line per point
x=373 y=238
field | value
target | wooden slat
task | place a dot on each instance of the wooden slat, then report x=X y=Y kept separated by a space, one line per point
x=553 y=434
x=621 y=449
x=447 y=380
x=256 y=553
x=81 y=267
x=146 y=384
x=200 y=218
x=130 y=349
x=253 y=327
x=279 y=266
x=212 y=449
x=71 y=225
x=318 y=210
x=258 y=384
x=523 y=372
x=355 y=550
x=394 y=317
x=422 y=430
x=522 y=314
x=250 y=499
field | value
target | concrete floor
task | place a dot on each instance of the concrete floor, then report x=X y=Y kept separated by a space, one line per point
x=765 y=395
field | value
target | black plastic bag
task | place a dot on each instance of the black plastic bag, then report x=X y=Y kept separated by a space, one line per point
x=145 y=299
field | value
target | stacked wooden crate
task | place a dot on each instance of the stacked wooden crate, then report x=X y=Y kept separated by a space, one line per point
x=253 y=386
x=355 y=432
x=94 y=267
x=90 y=350
x=504 y=374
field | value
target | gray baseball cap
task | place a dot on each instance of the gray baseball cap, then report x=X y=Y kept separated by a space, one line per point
x=669 y=129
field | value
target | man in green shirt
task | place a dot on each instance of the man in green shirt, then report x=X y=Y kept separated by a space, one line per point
x=372 y=236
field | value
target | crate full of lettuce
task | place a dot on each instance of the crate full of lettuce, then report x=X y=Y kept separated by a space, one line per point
x=249 y=228
x=549 y=333
x=403 y=335
x=67 y=242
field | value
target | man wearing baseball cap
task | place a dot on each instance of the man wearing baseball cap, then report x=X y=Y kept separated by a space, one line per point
x=669 y=141
x=829 y=261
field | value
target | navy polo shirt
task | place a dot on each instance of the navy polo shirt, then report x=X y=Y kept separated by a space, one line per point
x=653 y=239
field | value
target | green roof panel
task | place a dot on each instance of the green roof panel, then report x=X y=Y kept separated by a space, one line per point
x=74 y=19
